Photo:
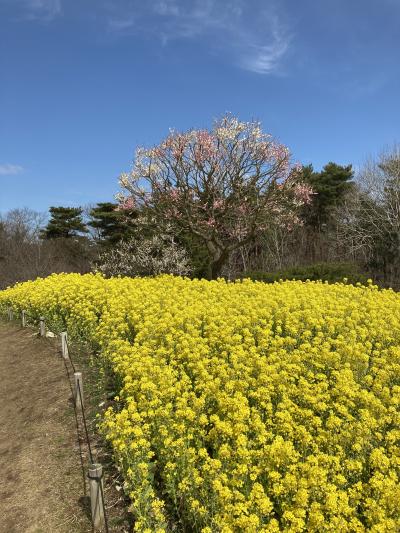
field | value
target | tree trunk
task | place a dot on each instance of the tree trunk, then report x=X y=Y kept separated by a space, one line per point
x=217 y=259
x=218 y=263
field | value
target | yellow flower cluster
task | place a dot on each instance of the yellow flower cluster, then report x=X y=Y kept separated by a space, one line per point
x=244 y=406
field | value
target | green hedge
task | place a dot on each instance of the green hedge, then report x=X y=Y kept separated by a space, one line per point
x=331 y=272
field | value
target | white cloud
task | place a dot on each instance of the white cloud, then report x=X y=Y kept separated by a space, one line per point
x=247 y=32
x=167 y=7
x=42 y=10
x=10 y=170
x=121 y=25
x=264 y=59
x=47 y=9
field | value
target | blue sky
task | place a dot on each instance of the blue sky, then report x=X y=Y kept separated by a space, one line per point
x=83 y=83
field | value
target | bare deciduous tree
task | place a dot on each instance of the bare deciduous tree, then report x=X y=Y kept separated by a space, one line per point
x=369 y=221
x=24 y=255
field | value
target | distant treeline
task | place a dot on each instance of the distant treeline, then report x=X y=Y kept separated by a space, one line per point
x=351 y=221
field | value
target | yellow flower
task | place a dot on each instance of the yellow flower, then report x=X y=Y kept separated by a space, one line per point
x=249 y=407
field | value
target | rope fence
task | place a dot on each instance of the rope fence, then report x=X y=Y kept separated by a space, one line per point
x=95 y=470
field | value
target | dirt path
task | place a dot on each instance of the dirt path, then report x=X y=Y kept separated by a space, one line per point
x=42 y=486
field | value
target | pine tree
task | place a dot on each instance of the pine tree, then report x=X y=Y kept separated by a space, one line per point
x=65 y=222
x=111 y=225
x=330 y=186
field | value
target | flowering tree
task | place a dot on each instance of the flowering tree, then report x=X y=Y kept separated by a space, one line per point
x=225 y=186
x=159 y=254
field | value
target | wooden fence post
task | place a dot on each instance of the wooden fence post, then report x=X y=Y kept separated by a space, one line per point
x=10 y=313
x=42 y=327
x=95 y=476
x=23 y=317
x=78 y=387
x=64 y=344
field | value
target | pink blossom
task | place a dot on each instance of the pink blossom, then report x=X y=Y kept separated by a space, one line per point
x=217 y=204
x=204 y=148
x=174 y=194
x=126 y=204
x=210 y=222
x=158 y=151
x=173 y=212
x=303 y=193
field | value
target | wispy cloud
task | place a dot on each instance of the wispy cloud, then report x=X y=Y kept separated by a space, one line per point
x=41 y=10
x=249 y=33
x=265 y=58
x=10 y=170
x=121 y=25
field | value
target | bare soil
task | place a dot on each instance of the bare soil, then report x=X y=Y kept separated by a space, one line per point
x=43 y=483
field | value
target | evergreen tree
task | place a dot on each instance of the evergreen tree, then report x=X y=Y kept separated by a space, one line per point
x=65 y=222
x=330 y=187
x=111 y=224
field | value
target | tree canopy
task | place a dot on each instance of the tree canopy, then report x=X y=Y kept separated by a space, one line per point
x=65 y=222
x=224 y=186
x=330 y=187
x=111 y=224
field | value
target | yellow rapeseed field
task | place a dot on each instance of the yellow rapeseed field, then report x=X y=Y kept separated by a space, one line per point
x=244 y=406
